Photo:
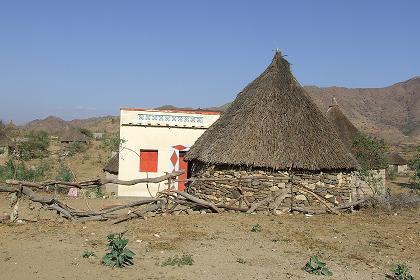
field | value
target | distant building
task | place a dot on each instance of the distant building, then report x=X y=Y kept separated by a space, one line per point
x=97 y=135
x=154 y=142
x=397 y=163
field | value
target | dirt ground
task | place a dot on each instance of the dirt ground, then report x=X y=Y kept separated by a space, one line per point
x=362 y=245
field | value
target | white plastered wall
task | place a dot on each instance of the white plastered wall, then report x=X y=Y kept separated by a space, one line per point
x=154 y=135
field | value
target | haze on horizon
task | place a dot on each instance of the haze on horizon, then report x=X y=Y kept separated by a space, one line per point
x=78 y=59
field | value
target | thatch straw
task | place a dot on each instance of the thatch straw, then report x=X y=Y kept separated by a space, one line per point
x=345 y=129
x=273 y=124
x=395 y=159
x=113 y=164
x=71 y=134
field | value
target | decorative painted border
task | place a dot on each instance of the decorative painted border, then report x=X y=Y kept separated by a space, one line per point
x=170 y=118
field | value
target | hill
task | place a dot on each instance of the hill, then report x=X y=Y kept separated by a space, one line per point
x=392 y=112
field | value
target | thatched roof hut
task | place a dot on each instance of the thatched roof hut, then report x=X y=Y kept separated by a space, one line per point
x=113 y=164
x=345 y=129
x=273 y=124
x=395 y=159
x=71 y=134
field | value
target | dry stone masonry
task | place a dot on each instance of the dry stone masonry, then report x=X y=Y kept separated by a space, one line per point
x=224 y=185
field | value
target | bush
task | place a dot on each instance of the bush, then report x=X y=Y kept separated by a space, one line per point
x=113 y=143
x=370 y=152
x=256 y=228
x=391 y=173
x=401 y=272
x=87 y=254
x=86 y=132
x=317 y=267
x=118 y=254
x=415 y=166
x=396 y=202
x=77 y=147
x=19 y=171
x=179 y=261
x=64 y=174
x=34 y=146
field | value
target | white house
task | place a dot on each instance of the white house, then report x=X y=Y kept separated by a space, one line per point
x=154 y=143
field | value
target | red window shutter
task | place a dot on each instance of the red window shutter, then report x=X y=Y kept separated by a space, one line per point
x=148 y=160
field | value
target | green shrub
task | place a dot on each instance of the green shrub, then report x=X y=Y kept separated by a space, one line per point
x=19 y=171
x=391 y=173
x=86 y=132
x=113 y=142
x=317 y=267
x=401 y=272
x=77 y=147
x=415 y=166
x=87 y=254
x=34 y=146
x=118 y=255
x=256 y=228
x=179 y=261
x=64 y=174
x=370 y=152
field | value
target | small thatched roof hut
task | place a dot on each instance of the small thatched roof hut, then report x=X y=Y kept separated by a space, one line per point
x=112 y=165
x=395 y=159
x=71 y=134
x=345 y=129
x=273 y=124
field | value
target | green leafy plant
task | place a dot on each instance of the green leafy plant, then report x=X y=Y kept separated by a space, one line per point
x=118 y=254
x=96 y=193
x=415 y=166
x=401 y=272
x=256 y=228
x=87 y=254
x=86 y=132
x=179 y=261
x=64 y=174
x=77 y=147
x=33 y=145
x=20 y=171
x=391 y=173
x=370 y=152
x=317 y=267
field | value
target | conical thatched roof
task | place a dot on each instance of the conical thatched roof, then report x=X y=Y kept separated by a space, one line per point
x=71 y=134
x=395 y=159
x=113 y=164
x=345 y=129
x=273 y=124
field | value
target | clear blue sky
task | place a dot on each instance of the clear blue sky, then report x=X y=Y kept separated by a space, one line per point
x=76 y=59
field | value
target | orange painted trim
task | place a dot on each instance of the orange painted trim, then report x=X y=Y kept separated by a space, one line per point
x=201 y=112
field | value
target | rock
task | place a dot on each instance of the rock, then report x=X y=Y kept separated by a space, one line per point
x=281 y=185
x=255 y=183
x=311 y=186
x=190 y=211
x=274 y=189
x=300 y=197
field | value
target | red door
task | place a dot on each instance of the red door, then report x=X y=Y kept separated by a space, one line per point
x=183 y=165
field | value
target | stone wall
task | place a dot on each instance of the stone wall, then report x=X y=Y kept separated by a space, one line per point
x=227 y=185
x=111 y=189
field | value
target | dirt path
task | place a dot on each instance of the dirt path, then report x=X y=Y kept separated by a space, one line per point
x=357 y=246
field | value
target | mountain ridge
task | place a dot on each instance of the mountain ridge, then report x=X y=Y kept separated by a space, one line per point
x=391 y=112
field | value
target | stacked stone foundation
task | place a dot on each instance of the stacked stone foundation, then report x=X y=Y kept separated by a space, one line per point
x=223 y=186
